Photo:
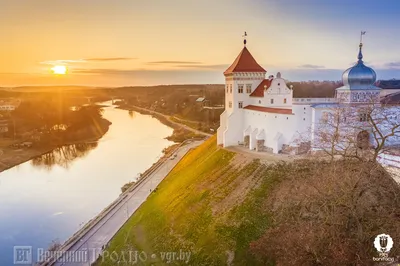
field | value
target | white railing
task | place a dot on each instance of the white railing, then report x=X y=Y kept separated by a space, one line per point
x=314 y=100
x=389 y=160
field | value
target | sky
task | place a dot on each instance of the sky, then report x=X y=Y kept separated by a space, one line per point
x=136 y=42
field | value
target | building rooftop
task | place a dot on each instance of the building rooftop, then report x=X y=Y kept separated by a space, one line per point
x=259 y=91
x=201 y=99
x=245 y=62
x=393 y=98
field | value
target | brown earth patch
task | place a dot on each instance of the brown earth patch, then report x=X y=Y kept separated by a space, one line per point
x=329 y=214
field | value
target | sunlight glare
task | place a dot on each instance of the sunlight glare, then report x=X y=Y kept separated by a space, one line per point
x=59 y=70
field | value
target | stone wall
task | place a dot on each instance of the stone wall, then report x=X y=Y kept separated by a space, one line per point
x=303 y=148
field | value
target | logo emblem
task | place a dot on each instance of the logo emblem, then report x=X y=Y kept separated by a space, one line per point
x=383 y=243
x=23 y=255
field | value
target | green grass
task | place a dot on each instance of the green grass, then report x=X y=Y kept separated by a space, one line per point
x=180 y=215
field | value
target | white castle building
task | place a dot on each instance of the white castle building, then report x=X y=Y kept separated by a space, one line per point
x=261 y=113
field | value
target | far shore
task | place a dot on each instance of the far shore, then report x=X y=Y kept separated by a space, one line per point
x=181 y=132
x=13 y=157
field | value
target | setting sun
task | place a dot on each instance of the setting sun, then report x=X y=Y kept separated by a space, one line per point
x=59 y=70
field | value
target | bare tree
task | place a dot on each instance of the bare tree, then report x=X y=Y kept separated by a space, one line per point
x=384 y=126
x=331 y=135
x=361 y=131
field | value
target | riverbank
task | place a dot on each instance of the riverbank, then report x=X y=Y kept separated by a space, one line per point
x=11 y=156
x=97 y=233
x=181 y=132
x=251 y=213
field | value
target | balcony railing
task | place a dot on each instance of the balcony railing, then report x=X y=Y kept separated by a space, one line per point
x=314 y=100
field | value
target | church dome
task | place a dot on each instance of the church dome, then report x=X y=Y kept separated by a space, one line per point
x=359 y=75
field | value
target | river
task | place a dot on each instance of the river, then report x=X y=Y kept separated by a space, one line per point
x=49 y=198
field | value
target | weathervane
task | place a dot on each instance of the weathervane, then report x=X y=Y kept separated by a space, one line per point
x=244 y=36
x=360 y=56
x=362 y=33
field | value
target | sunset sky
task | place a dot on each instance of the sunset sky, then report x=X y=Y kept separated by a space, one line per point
x=132 y=42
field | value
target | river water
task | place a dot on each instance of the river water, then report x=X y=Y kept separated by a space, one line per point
x=49 y=198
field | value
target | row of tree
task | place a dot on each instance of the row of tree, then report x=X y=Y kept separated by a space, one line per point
x=51 y=117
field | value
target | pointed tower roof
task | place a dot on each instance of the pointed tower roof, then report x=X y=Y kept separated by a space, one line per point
x=245 y=62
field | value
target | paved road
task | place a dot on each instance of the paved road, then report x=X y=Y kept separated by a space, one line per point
x=176 y=123
x=107 y=227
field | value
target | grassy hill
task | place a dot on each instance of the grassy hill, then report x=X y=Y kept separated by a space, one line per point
x=227 y=209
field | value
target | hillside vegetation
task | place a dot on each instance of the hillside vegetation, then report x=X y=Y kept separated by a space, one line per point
x=229 y=210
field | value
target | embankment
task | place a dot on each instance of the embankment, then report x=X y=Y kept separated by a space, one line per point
x=227 y=209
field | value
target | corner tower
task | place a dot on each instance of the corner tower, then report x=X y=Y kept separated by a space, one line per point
x=241 y=79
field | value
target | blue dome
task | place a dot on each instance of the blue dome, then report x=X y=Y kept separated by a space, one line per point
x=359 y=76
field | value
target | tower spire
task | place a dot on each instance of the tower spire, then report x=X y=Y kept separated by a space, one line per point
x=244 y=39
x=360 y=56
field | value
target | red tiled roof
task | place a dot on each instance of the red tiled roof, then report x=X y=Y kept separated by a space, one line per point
x=244 y=63
x=259 y=91
x=268 y=109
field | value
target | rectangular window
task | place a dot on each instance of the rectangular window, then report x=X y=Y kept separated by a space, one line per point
x=272 y=101
x=230 y=104
x=240 y=88
x=230 y=88
x=284 y=100
x=240 y=104
x=248 y=88
x=363 y=117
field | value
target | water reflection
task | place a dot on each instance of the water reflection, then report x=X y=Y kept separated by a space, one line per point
x=131 y=114
x=63 y=156
x=55 y=201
